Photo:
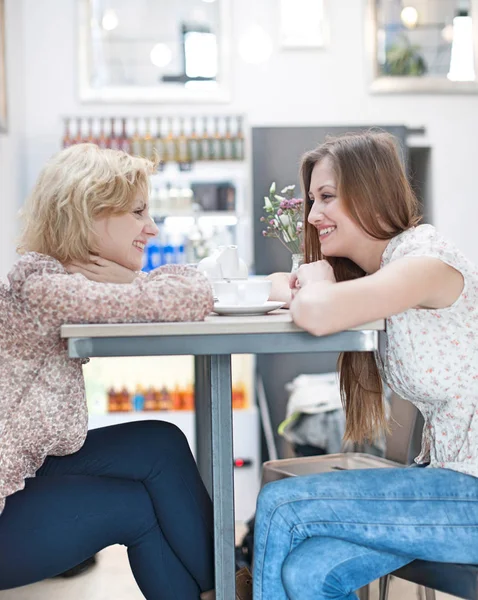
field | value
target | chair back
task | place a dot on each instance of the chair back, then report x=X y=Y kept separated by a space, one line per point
x=406 y=424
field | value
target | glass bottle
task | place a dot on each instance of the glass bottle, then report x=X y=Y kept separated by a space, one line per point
x=159 y=144
x=102 y=139
x=67 y=139
x=227 y=146
x=136 y=146
x=124 y=142
x=171 y=146
x=239 y=141
x=148 y=144
x=193 y=142
x=114 y=139
x=182 y=144
x=204 y=141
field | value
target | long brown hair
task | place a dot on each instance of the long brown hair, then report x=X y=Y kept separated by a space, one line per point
x=375 y=191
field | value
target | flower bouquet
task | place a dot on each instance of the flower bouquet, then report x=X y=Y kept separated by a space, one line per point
x=284 y=218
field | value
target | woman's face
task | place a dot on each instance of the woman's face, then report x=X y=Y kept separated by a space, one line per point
x=338 y=233
x=122 y=238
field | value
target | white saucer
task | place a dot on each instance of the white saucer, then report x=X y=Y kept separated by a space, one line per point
x=258 y=309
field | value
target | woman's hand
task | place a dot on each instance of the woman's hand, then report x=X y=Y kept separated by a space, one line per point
x=311 y=272
x=102 y=270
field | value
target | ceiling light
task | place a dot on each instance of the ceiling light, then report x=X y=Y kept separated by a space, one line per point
x=110 y=20
x=409 y=17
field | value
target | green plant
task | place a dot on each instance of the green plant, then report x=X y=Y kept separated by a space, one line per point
x=402 y=58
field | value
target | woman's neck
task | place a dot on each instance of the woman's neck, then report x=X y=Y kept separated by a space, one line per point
x=369 y=256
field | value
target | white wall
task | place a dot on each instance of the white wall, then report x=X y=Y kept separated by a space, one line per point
x=12 y=149
x=295 y=87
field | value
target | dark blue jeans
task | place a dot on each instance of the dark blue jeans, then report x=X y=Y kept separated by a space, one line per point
x=134 y=484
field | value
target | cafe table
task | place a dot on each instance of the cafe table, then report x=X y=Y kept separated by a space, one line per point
x=212 y=342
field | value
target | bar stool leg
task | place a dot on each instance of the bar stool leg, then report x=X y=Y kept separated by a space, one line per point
x=429 y=594
x=384 y=587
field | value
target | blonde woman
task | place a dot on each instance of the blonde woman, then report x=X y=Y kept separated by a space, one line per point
x=325 y=536
x=65 y=493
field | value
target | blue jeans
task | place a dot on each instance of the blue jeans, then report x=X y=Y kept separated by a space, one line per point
x=324 y=536
x=134 y=484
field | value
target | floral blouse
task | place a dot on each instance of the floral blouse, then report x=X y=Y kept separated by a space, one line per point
x=431 y=357
x=42 y=398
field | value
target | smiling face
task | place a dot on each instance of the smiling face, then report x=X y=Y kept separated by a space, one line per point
x=122 y=238
x=338 y=233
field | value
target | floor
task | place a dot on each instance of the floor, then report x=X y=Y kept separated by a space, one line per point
x=111 y=579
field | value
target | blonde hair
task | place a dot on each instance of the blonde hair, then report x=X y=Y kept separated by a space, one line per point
x=375 y=191
x=76 y=186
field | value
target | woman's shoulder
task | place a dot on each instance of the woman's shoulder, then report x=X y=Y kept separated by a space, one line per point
x=425 y=240
x=33 y=263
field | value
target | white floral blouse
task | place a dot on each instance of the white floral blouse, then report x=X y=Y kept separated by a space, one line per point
x=42 y=397
x=431 y=357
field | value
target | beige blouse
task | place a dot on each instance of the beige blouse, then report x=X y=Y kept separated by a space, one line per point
x=42 y=398
x=431 y=357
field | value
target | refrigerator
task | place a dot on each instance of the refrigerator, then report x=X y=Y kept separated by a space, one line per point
x=276 y=156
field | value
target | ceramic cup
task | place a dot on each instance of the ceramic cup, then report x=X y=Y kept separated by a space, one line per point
x=244 y=292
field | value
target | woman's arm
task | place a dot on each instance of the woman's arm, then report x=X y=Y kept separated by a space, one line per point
x=170 y=295
x=280 y=290
x=324 y=307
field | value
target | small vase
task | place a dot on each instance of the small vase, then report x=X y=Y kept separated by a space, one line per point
x=297 y=260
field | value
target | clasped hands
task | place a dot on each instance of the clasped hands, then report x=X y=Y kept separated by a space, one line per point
x=319 y=271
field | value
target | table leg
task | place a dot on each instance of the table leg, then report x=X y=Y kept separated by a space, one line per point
x=202 y=393
x=214 y=444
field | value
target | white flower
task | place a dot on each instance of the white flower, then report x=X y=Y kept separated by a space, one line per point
x=288 y=232
x=272 y=189
x=287 y=188
x=267 y=205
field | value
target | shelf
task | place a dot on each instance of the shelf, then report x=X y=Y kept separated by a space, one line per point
x=207 y=171
x=181 y=418
x=213 y=214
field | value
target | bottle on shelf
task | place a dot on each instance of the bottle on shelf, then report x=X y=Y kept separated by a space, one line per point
x=79 y=134
x=114 y=139
x=164 y=399
x=159 y=143
x=138 y=400
x=67 y=139
x=124 y=142
x=150 y=400
x=216 y=152
x=227 y=143
x=204 y=142
x=239 y=396
x=182 y=145
x=154 y=254
x=112 y=403
x=168 y=253
x=193 y=143
x=176 y=398
x=102 y=140
x=239 y=141
x=136 y=141
x=148 y=142
x=90 y=138
x=188 y=397
x=171 y=143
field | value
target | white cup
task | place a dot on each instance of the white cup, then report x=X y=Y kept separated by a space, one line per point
x=244 y=292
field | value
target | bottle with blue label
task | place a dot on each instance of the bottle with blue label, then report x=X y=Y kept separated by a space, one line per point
x=154 y=254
